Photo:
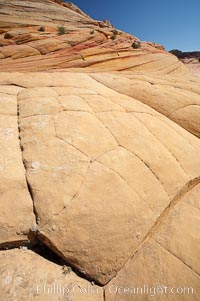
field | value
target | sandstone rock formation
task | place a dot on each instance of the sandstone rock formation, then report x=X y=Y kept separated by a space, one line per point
x=190 y=59
x=175 y=97
x=193 y=65
x=15 y=224
x=100 y=165
x=29 y=32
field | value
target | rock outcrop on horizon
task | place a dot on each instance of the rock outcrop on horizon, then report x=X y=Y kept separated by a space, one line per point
x=190 y=59
x=99 y=161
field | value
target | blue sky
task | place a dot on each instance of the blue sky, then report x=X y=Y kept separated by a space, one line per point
x=172 y=23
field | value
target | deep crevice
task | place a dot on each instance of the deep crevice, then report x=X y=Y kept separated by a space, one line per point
x=35 y=245
x=40 y=244
x=104 y=293
x=47 y=250
x=27 y=183
x=18 y=244
x=31 y=195
x=43 y=250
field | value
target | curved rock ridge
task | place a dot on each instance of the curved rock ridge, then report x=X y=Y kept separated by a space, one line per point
x=30 y=41
x=175 y=97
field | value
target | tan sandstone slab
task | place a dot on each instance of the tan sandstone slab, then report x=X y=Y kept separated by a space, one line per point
x=27 y=276
x=166 y=265
x=16 y=207
x=184 y=225
x=90 y=164
x=154 y=273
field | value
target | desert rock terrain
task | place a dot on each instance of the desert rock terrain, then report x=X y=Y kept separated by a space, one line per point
x=99 y=160
x=190 y=59
x=193 y=64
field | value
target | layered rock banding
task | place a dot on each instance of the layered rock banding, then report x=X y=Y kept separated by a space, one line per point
x=29 y=32
x=100 y=164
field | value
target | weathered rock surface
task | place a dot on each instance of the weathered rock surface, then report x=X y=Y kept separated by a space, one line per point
x=99 y=163
x=27 y=276
x=72 y=181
